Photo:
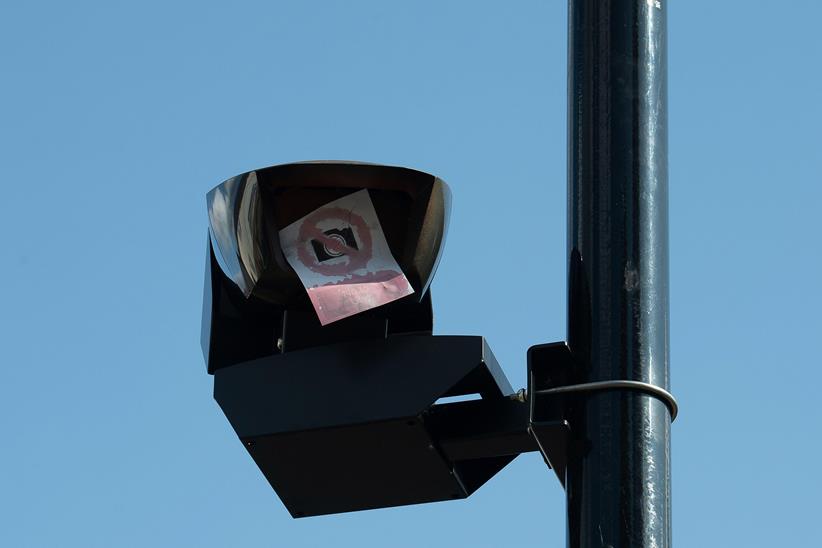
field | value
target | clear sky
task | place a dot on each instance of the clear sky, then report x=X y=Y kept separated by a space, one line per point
x=116 y=118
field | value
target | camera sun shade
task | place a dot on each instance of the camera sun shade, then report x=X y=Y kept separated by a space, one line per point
x=246 y=213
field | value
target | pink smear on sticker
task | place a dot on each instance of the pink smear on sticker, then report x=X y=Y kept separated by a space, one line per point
x=337 y=301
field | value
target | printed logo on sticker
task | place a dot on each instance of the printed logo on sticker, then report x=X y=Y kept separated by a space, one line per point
x=340 y=239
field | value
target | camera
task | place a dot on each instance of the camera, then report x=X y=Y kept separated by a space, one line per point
x=318 y=330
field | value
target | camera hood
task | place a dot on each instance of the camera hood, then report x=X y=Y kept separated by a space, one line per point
x=247 y=212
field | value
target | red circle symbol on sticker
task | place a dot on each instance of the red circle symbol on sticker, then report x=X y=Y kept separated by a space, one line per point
x=340 y=250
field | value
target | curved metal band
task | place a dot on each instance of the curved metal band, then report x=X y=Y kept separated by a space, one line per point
x=651 y=389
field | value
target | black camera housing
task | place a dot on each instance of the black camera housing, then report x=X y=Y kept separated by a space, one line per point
x=254 y=304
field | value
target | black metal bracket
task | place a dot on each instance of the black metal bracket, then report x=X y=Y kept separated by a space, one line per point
x=550 y=365
x=524 y=422
x=552 y=391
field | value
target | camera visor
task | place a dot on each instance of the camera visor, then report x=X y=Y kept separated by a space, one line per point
x=234 y=228
x=248 y=212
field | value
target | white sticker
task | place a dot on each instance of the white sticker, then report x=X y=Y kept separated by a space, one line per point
x=340 y=254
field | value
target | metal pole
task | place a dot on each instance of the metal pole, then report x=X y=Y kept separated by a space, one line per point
x=618 y=475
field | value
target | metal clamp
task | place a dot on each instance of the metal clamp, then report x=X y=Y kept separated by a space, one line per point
x=651 y=389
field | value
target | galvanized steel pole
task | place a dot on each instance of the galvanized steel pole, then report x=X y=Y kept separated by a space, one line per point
x=618 y=473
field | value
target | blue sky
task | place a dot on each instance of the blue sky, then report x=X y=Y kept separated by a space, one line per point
x=116 y=118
